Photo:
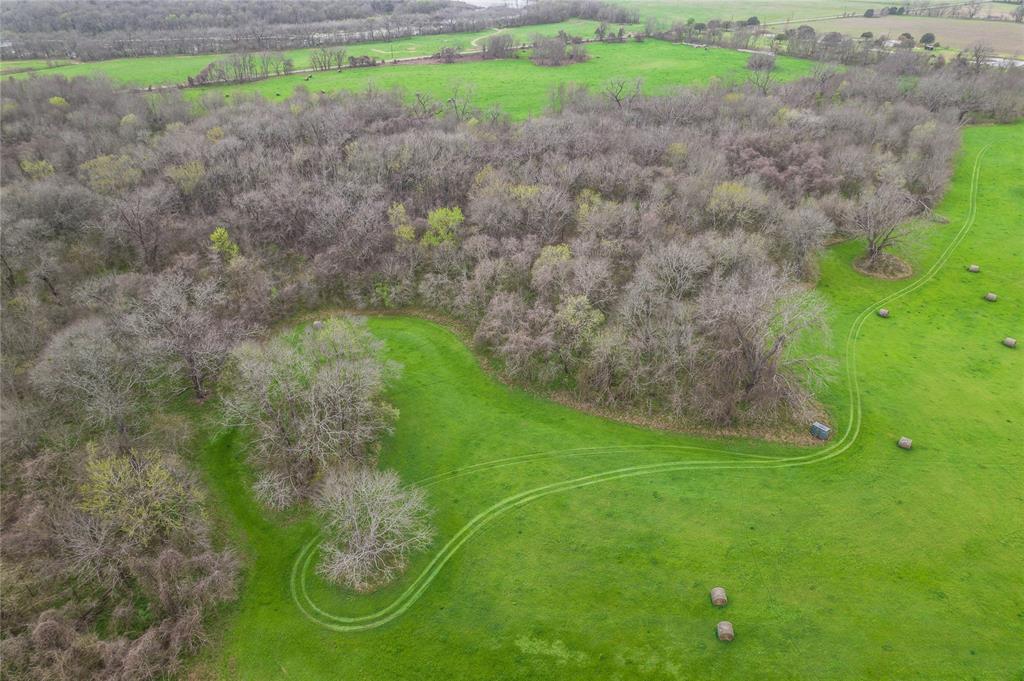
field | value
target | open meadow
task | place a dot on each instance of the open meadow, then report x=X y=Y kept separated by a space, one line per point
x=1005 y=37
x=851 y=560
x=670 y=11
x=174 y=70
x=520 y=87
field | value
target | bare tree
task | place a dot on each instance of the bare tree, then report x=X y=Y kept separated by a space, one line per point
x=746 y=323
x=310 y=403
x=372 y=526
x=500 y=46
x=761 y=71
x=140 y=220
x=623 y=92
x=979 y=54
x=180 y=320
x=879 y=217
x=86 y=371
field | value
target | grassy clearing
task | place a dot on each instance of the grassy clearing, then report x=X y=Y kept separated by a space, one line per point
x=175 y=69
x=521 y=88
x=1004 y=37
x=669 y=11
x=878 y=563
x=11 y=67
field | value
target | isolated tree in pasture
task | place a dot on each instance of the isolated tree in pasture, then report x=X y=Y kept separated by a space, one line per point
x=323 y=58
x=372 y=526
x=310 y=402
x=180 y=319
x=549 y=51
x=91 y=374
x=338 y=55
x=879 y=217
x=500 y=46
x=448 y=54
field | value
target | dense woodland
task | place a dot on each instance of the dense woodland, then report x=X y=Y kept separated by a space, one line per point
x=644 y=254
x=66 y=29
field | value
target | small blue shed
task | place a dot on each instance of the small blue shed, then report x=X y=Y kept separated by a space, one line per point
x=821 y=431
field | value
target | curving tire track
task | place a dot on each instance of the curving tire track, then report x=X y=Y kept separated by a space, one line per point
x=341 y=623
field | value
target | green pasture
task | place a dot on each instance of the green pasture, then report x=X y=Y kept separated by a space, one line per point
x=668 y=12
x=522 y=88
x=11 y=67
x=175 y=69
x=585 y=548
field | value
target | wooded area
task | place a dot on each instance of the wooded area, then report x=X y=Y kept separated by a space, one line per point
x=644 y=254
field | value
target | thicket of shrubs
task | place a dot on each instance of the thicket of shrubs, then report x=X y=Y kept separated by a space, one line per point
x=644 y=253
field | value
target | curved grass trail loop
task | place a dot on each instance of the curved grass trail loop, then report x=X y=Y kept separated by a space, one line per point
x=742 y=460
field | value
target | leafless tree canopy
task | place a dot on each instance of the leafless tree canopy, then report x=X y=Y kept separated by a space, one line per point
x=311 y=403
x=644 y=253
x=371 y=524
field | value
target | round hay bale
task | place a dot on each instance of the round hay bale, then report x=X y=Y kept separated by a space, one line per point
x=883 y=313
x=905 y=443
x=974 y=268
x=991 y=297
x=725 y=631
x=318 y=325
x=1010 y=342
x=718 y=596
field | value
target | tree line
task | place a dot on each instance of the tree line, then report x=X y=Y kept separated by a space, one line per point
x=649 y=254
x=52 y=29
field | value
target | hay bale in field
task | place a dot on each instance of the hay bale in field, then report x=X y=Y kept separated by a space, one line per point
x=718 y=596
x=725 y=631
x=884 y=313
x=973 y=268
x=318 y=325
x=905 y=443
x=991 y=297
x=1010 y=342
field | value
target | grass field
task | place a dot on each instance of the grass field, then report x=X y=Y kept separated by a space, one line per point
x=851 y=561
x=171 y=70
x=26 y=65
x=669 y=11
x=522 y=88
x=1004 y=37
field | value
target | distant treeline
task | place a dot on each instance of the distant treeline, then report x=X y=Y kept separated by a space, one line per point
x=130 y=28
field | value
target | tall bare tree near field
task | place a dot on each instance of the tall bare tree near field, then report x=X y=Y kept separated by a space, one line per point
x=372 y=526
x=879 y=217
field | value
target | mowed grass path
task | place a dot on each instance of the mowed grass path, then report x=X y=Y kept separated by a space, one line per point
x=522 y=88
x=175 y=69
x=876 y=564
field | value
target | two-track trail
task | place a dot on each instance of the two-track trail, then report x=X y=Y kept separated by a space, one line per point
x=725 y=459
